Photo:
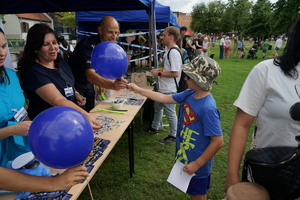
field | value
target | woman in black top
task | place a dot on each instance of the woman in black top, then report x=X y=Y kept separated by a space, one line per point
x=47 y=80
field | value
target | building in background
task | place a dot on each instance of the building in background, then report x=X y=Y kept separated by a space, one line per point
x=17 y=25
x=184 y=19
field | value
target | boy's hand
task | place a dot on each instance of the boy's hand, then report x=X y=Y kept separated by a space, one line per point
x=191 y=168
x=133 y=87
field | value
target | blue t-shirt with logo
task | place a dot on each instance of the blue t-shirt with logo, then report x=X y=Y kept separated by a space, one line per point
x=199 y=119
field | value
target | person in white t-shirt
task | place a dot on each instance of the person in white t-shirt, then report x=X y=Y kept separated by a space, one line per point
x=270 y=96
x=171 y=68
x=222 y=45
x=277 y=45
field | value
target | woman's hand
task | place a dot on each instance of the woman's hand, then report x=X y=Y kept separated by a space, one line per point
x=81 y=100
x=95 y=124
x=70 y=178
x=22 y=128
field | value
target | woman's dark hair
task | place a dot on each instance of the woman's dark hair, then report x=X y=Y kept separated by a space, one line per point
x=3 y=73
x=291 y=53
x=34 y=41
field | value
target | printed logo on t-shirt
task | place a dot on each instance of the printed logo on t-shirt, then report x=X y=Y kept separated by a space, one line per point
x=189 y=115
x=187 y=135
x=295 y=109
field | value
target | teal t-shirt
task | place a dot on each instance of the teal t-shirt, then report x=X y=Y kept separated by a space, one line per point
x=11 y=97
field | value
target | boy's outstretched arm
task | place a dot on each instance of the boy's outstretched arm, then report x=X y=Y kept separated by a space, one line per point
x=215 y=145
x=155 y=96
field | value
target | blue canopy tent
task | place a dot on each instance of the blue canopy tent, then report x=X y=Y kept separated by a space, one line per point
x=129 y=19
x=38 y=6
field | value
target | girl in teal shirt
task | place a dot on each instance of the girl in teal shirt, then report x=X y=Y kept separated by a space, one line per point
x=13 y=135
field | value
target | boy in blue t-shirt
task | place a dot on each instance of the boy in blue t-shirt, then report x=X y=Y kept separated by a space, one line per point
x=199 y=134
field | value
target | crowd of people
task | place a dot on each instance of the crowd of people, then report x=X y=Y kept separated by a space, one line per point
x=200 y=45
x=267 y=98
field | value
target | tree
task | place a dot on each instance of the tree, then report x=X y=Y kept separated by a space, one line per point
x=206 y=18
x=2 y=18
x=237 y=16
x=198 y=17
x=260 y=20
x=215 y=12
x=285 y=14
x=227 y=19
x=67 y=18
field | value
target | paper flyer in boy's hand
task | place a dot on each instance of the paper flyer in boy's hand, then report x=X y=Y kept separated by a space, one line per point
x=179 y=178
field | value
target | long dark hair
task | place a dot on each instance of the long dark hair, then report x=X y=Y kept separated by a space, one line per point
x=34 y=41
x=3 y=73
x=291 y=53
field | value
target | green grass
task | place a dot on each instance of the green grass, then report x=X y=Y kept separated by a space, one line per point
x=153 y=161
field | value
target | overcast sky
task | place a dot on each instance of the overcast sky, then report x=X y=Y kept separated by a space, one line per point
x=185 y=5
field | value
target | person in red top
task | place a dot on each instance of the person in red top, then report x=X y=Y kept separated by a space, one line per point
x=227 y=47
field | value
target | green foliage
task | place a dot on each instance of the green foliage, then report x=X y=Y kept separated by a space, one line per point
x=205 y=18
x=285 y=14
x=260 y=24
x=67 y=18
x=250 y=18
x=153 y=162
x=237 y=15
x=2 y=18
x=16 y=44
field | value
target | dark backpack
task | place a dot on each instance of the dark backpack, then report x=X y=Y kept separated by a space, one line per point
x=66 y=53
x=182 y=85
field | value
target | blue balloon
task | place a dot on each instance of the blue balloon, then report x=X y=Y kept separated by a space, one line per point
x=61 y=137
x=109 y=60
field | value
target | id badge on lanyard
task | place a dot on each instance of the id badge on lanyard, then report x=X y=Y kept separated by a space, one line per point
x=20 y=115
x=69 y=91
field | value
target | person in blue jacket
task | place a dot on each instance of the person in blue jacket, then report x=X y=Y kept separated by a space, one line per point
x=13 y=131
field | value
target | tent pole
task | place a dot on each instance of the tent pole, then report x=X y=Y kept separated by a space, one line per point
x=149 y=41
x=153 y=29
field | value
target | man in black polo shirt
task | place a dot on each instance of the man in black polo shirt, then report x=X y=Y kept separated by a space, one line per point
x=81 y=65
x=187 y=42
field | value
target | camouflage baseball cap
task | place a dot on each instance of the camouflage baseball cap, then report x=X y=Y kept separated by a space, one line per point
x=203 y=70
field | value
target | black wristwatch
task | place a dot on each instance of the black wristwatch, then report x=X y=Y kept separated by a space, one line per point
x=159 y=73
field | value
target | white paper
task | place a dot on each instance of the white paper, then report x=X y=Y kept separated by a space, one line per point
x=179 y=178
x=148 y=73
